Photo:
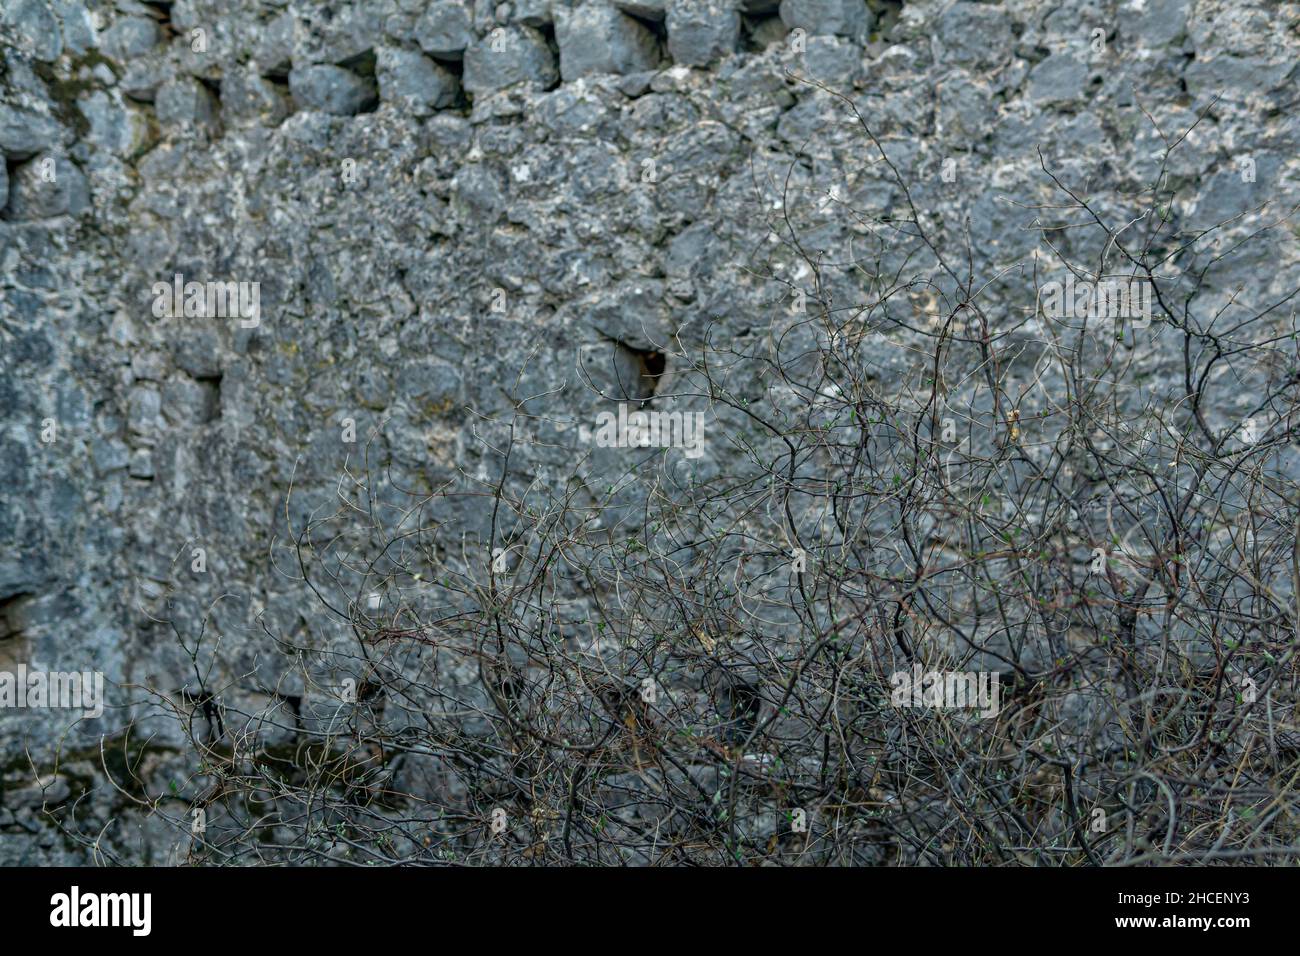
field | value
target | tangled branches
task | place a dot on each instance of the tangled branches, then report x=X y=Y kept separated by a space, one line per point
x=1073 y=474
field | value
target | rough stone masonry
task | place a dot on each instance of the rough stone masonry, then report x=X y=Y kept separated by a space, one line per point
x=454 y=211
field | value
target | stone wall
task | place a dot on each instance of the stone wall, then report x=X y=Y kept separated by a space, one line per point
x=467 y=218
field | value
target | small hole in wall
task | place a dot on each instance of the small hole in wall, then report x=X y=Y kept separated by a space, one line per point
x=161 y=11
x=657 y=26
x=362 y=64
x=547 y=30
x=212 y=86
x=759 y=31
x=887 y=13
x=454 y=66
x=649 y=366
x=635 y=373
x=655 y=364
x=211 y=397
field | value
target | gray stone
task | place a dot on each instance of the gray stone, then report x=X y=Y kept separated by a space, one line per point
x=331 y=89
x=444 y=29
x=148 y=366
x=413 y=81
x=632 y=313
x=78 y=30
x=24 y=133
x=849 y=18
x=702 y=31
x=973 y=34
x=22 y=571
x=345 y=38
x=1236 y=77
x=597 y=38
x=507 y=56
x=142 y=77
x=47 y=186
x=768 y=31
x=245 y=95
x=430 y=385
x=274 y=49
x=478 y=191
x=533 y=13
x=1061 y=78
x=141 y=464
x=1229 y=194
x=111 y=128
x=143 y=409
x=186 y=104
x=129 y=37
x=36 y=26
x=109 y=454
x=831 y=59
x=964 y=106
x=46 y=792
x=197 y=353
x=1154 y=23
x=188 y=402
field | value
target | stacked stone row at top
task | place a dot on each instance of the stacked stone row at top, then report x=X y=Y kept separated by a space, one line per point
x=592 y=37
x=344 y=58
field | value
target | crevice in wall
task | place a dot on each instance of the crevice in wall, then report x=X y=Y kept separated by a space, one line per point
x=211 y=396
x=11 y=169
x=363 y=65
x=212 y=86
x=887 y=14
x=161 y=11
x=659 y=27
x=547 y=30
x=648 y=367
x=759 y=30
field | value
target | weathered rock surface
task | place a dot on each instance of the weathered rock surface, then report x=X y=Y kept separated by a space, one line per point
x=458 y=214
x=596 y=37
x=331 y=89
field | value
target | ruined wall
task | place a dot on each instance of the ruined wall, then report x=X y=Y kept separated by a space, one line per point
x=465 y=219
